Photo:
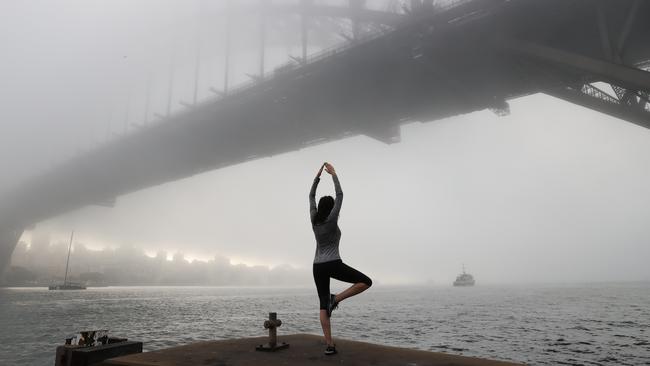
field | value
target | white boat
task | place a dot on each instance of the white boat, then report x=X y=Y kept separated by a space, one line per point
x=464 y=279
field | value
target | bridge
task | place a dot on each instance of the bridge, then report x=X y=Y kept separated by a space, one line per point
x=422 y=64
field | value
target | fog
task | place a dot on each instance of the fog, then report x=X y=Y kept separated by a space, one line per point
x=551 y=193
x=42 y=263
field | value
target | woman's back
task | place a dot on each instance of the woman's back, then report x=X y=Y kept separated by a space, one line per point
x=325 y=224
x=328 y=236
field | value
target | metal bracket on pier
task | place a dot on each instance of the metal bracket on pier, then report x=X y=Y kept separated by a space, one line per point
x=93 y=347
x=272 y=325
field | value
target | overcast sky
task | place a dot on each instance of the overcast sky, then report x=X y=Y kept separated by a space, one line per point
x=553 y=192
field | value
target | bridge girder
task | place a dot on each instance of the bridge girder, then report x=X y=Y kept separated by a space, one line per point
x=9 y=237
x=631 y=85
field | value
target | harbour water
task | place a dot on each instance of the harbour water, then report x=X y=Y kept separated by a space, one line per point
x=590 y=324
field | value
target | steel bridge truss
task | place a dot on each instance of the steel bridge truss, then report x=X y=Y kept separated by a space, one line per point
x=583 y=78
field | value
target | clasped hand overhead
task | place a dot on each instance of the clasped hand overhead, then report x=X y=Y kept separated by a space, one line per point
x=328 y=168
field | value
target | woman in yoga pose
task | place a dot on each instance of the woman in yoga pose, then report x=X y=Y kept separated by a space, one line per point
x=327 y=261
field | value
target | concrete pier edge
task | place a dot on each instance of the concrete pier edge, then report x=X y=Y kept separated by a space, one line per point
x=306 y=349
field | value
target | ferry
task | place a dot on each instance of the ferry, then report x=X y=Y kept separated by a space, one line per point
x=464 y=279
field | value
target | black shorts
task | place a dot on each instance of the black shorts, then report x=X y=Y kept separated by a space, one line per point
x=339 y=271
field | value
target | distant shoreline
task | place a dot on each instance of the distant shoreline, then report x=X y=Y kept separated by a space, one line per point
x=385 y=286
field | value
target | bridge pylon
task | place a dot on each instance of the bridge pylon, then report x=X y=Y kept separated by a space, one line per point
x=9 y=236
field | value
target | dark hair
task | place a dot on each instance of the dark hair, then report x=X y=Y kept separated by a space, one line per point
x=325 y=205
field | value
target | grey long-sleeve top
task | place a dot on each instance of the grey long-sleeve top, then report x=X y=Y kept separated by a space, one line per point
x=327 y=233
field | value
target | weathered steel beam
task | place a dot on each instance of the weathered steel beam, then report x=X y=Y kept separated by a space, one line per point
x=625 y=76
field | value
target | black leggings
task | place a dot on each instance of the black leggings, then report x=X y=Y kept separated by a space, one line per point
x=339 y=271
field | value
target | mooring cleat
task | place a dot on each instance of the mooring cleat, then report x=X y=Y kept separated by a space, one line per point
x=272 y=324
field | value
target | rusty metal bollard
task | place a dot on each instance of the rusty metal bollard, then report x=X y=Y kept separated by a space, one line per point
x=272 y=325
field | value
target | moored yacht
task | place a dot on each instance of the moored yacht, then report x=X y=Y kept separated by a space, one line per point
x=67 y=285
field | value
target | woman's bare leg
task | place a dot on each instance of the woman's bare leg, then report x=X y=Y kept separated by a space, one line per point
x=327 y=328
x=355 y=289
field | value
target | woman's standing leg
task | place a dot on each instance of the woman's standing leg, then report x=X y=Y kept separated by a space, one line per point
x=322 y=279
x=327 y=327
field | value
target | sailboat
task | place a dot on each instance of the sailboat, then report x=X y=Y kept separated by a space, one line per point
x=68 y=285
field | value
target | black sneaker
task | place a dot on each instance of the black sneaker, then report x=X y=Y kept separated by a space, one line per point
x=331 y=305
x=330 y=350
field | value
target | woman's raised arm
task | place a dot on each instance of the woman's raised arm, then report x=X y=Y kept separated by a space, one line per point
x=338 y=201
x=312 y=194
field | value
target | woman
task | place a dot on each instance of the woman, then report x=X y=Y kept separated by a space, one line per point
x=327 y=261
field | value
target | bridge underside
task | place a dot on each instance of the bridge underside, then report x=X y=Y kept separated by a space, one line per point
x=470 y=58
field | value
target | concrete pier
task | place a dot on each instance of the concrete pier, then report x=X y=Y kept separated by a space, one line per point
x=306 y=349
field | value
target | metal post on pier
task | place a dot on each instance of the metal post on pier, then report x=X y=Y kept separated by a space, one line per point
x=272 y=325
